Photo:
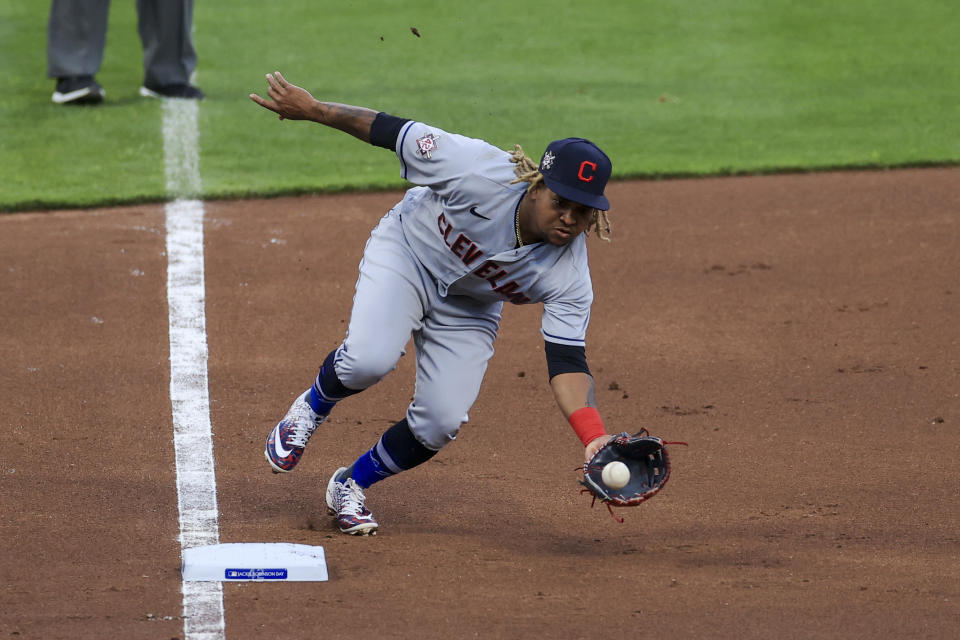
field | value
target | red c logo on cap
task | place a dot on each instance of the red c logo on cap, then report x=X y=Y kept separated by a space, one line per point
x=586 y=163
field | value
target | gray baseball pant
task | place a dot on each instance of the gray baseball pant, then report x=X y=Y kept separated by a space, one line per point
x=77 y=36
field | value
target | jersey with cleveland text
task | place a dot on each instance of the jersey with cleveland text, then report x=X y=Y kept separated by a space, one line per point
x=460 y=223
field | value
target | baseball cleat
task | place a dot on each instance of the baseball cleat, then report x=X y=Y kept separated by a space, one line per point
x=286 y=442
x=345 y=500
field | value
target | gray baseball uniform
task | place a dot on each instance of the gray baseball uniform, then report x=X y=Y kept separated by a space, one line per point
x=440 y=265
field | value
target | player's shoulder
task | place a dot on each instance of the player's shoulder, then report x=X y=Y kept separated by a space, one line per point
x=565 y=267
x=429 y=142
x=457 y=166
x=577 y=264
x=574 y=253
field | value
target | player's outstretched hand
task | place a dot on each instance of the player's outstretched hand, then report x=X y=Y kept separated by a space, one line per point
x=290 y=102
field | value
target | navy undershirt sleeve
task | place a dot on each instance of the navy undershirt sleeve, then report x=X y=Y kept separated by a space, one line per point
x=385 y=129
x=565 y=358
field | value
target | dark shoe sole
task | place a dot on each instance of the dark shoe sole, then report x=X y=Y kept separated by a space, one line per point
x=150 y=93
x=86 y=95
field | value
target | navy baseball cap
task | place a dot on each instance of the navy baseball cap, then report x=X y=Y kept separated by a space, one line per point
x=576 y=169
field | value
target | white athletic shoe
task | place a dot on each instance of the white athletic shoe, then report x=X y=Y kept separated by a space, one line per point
x=286 y=442
x=346 y=501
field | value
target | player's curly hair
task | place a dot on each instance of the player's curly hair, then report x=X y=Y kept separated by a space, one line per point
x=529 y=171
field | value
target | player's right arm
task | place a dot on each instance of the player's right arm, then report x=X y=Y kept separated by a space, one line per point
x=291 y=102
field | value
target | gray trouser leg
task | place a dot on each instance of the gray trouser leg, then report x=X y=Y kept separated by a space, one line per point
x=165 y=31
x=76 y=37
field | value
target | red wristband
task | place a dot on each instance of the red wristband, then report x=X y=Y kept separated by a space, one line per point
x=588 y=425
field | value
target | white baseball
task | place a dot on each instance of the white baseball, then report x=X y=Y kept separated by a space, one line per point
x=616 y=475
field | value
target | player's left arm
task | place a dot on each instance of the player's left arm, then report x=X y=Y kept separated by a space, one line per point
x=573 y=389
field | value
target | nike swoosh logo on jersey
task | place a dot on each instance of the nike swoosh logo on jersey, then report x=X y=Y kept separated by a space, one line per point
x=278 y=446
x=474 y=211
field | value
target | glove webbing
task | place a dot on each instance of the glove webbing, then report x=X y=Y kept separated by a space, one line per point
x=586 y=467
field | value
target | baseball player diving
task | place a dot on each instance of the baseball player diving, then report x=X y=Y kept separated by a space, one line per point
x=483 y=227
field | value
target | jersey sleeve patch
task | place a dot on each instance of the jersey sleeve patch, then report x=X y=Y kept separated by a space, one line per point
x=427 y=144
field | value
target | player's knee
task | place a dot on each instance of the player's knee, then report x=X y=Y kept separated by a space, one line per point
x=435 y=437
x=359 y=368
x=436 y=430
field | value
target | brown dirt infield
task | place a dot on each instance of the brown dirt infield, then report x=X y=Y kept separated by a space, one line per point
x=802 y=332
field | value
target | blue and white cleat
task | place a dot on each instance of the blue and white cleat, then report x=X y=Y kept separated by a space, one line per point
x=286 y=442
x=346 y=501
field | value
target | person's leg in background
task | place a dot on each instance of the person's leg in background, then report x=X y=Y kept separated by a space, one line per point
x=76 y=38
x=169 y=58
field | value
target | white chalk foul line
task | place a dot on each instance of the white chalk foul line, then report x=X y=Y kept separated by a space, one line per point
x=181 y=148
x=203 y=616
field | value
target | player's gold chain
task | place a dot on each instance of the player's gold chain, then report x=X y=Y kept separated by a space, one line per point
x=516 y=224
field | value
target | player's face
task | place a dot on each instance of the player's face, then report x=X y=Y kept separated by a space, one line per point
x=557 y=220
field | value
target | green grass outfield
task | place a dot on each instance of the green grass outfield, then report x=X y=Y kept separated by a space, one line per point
x=667 y=88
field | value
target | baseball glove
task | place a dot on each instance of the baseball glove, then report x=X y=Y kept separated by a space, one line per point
x=646 y=458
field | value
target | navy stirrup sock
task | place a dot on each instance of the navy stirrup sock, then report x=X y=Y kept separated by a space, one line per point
x=327 y=390
x=397 y=450
x=317 y=400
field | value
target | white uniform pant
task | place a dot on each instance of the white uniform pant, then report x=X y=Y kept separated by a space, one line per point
x=453 y=335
